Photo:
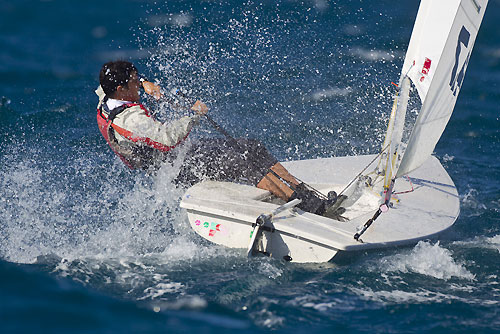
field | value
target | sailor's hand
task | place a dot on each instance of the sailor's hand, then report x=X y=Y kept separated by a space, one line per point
x=152 y=89
x=200 y=107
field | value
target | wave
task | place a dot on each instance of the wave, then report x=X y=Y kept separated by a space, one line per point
x=482 y=242
x=418 y=297
x=427 y=259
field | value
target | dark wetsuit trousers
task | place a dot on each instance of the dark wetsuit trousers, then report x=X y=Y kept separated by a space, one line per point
x=242 y=160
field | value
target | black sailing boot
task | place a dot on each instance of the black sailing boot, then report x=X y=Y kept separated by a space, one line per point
x=310 y=200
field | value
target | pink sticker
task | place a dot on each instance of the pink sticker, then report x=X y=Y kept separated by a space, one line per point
x=384 y=208
x=197 y=222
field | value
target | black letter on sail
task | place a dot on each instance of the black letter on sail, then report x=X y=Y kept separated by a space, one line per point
x=456 y=80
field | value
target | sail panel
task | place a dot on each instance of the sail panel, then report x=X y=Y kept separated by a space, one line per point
x=430 y=33
x=436 y=61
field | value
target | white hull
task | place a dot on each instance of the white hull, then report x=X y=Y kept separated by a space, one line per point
x=224 y=212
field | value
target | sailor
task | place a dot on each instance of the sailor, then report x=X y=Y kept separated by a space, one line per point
x=143 y=142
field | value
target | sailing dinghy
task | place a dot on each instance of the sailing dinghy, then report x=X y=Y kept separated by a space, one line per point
x=397 y=197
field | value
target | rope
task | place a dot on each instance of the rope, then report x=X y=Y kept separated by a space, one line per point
x=364 y=169
x=407 y=191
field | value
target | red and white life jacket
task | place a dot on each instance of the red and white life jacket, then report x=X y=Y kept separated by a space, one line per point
x=142 y=152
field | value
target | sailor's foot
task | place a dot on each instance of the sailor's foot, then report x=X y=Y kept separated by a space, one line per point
x=335 y=210
x=331 y=199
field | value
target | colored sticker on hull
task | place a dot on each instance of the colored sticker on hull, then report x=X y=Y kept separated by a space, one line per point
x=212 y=226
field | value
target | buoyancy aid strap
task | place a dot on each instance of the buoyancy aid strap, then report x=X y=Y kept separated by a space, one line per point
x=116 y=111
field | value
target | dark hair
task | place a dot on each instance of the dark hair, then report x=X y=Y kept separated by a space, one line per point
x=114 y=74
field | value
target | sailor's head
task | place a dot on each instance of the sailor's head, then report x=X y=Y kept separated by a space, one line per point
x=120 y=80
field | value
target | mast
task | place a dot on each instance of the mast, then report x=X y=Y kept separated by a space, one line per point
x=395 y=133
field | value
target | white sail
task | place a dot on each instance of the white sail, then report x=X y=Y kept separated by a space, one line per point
x=436 y=60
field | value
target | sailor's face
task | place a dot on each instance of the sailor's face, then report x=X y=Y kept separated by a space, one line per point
x=131 y=91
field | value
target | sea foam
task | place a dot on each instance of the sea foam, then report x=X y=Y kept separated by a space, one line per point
x=427 y=259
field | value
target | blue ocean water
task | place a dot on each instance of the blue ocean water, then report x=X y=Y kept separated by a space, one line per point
x=87 y=246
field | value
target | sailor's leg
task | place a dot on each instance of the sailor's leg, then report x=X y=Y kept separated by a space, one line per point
x=275 y=178
x=248 y=162
x=284 y=185
x=279 y=182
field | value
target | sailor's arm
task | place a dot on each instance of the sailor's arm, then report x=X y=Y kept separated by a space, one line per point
x=155 y=91
x=140 y=124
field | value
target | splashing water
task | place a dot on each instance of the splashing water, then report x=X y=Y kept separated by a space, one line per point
x=427 y=259
x=100 y=215
x=236 y=63
x=309 y=79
